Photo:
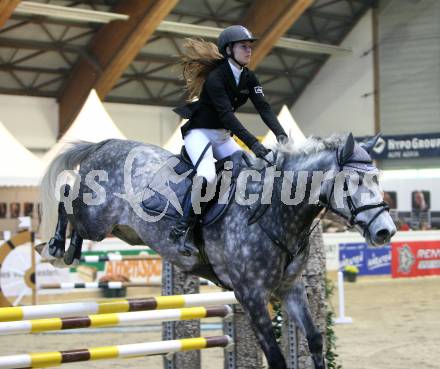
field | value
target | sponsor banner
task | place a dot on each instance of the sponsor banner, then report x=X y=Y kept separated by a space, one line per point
x=407 y=146
x=352 y=254
x=378 y=260
x=135 y=270
x=415 y=258
x=369 y=260
x=145 y=270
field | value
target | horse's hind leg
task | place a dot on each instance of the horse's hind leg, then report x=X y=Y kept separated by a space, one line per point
x=295 y=303
x=57 y=243
x=255 y=304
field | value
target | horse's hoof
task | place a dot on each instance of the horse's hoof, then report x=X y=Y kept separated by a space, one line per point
x=318 y=362
x=72 y=264
x=69 y=256
x=56 y=247
x=59 y=263
x=68 y=260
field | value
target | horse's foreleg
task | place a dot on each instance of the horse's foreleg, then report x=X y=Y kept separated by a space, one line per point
x=296 y=305
x=57 y=243
x=255 y=304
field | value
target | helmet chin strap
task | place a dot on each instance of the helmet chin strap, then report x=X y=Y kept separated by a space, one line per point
x=232 y=56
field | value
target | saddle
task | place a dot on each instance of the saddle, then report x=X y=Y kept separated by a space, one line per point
x=156 y=203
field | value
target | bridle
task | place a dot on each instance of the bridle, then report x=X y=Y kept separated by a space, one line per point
x=281 y=242
x=355 y=211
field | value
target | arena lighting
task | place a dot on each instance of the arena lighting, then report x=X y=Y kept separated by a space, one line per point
x=86 y=15
x=68 y=13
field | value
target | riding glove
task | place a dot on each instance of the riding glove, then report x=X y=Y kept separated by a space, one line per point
x=259 y=150
x=282 y=139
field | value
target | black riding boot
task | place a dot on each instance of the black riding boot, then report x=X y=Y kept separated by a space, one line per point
x=179 y=233
x=183 y=227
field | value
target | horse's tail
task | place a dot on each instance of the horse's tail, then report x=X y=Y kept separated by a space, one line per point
x=67 y=160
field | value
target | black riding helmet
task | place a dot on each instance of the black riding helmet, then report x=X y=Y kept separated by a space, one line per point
x=230 y=35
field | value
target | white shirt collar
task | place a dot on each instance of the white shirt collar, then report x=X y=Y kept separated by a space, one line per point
x=235 y=71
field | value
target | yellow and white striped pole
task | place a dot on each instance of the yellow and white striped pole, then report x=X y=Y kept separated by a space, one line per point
x=56 y=358
x=106 y=320
x=115 y=306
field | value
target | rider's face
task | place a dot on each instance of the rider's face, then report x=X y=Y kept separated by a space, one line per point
x=243 y=51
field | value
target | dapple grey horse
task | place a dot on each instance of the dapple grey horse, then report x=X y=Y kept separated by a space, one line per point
x=258 y=259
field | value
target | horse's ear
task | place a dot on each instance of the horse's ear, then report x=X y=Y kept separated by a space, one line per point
x=368 y=145
x=348 y=149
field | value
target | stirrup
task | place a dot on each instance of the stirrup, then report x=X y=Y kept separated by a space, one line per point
x=175 y=235
x=183 y=248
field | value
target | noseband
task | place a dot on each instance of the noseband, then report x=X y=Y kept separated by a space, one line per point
x=355 y=211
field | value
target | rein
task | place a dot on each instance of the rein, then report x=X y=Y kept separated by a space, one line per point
x=278 y=241
x=324 y=203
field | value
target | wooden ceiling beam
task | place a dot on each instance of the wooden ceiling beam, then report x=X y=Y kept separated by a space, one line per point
x=6 y=9
x=270 y=20
x=114 y=47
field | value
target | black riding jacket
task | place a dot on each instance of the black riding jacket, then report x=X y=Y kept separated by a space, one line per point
x=219 y=99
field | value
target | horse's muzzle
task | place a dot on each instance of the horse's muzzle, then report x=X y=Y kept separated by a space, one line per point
x=383 y=236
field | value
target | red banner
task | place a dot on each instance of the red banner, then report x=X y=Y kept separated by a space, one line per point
x=415 y=258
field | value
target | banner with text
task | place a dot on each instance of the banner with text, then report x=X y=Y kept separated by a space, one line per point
x=415 y=258
x=407 y=146
x=369 y=260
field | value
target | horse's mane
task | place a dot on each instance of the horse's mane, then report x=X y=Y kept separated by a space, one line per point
x=312 y=145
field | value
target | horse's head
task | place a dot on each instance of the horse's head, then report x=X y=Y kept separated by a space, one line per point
x=354 y=192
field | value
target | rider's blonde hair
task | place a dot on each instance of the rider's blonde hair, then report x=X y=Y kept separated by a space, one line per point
x=198 y=59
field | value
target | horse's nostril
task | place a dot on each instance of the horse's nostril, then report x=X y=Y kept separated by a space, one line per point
x=383 y=234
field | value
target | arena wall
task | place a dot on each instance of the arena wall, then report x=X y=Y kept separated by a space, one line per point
x=340 y=98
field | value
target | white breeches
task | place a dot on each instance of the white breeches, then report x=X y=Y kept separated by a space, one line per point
x=223 y=145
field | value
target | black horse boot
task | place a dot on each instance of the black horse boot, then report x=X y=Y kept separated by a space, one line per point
x=73 y=253
x=57 y=243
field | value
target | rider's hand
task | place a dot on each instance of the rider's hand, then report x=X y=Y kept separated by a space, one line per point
x=259 y=150
x=282 y=139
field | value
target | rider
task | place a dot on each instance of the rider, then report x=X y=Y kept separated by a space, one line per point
x=219 y=80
